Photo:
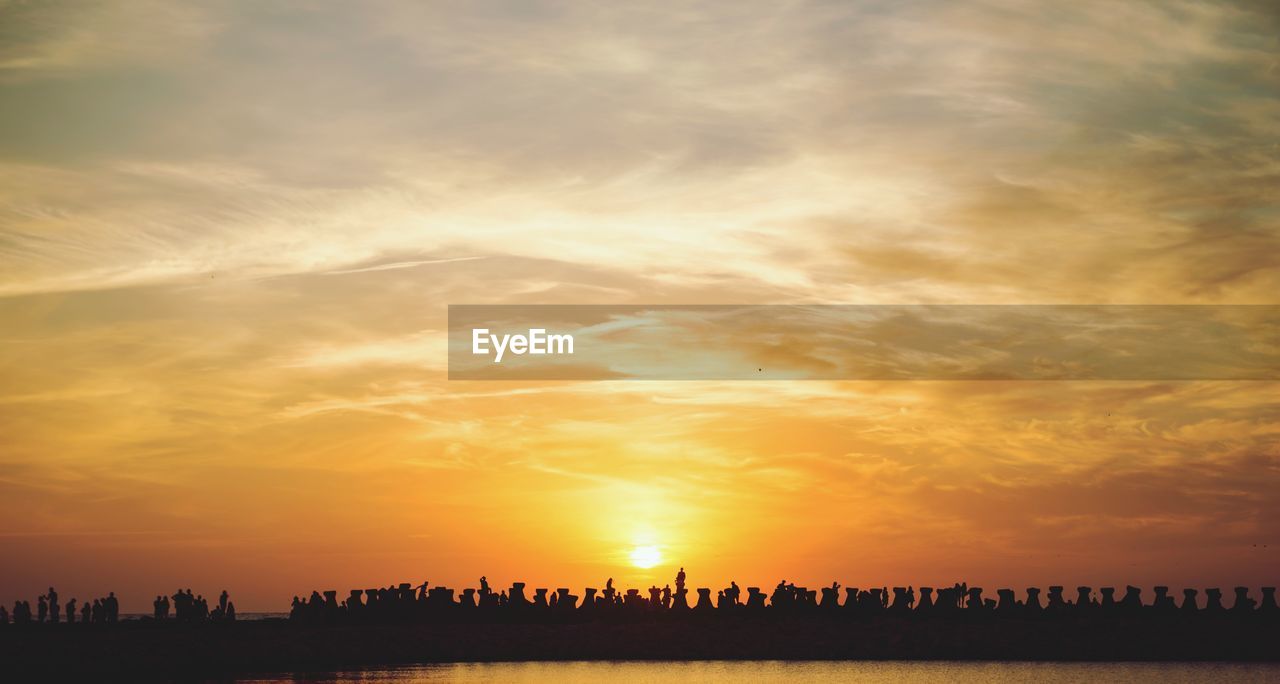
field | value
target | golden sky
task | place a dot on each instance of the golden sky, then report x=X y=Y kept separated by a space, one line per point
x=229 y=233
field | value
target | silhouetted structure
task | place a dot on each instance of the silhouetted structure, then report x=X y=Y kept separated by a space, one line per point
x=401 y=623
x=406 y=602
x=442 y=604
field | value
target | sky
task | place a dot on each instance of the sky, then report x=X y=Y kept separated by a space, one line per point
x=229 y=232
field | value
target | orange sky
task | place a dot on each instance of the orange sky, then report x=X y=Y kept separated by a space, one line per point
x=229 y=233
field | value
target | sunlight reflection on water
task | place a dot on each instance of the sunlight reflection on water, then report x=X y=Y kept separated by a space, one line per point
x=778 y=671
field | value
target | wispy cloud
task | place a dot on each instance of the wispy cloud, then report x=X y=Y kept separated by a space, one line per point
x=401 y=264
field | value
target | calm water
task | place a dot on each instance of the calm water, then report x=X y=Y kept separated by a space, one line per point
x=873 y=672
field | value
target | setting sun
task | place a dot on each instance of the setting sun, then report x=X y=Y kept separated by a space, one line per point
x=645 y=556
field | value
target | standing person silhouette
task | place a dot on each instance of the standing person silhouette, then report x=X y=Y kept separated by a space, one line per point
x=112 y=607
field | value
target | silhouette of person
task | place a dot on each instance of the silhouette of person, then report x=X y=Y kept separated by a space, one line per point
x=54 y=608
x=780 y=596
x=733 y=593
x=231 y=611
x=112 y=607
x=222 y=601
x=484 y=585
x=71 y=610
x=86 y=612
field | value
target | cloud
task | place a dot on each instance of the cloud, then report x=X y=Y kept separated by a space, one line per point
x=400 y=264
x=181 y=187
x=292 y=140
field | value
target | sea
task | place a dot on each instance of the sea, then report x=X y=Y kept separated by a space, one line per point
x=872 y=672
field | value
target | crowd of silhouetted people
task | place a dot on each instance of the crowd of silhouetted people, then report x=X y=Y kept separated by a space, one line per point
x=407 y=601
x=186 y=608
x=50 y=609
x=189 y=607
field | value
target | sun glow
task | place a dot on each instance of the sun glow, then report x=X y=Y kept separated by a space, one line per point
x=645 y=556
